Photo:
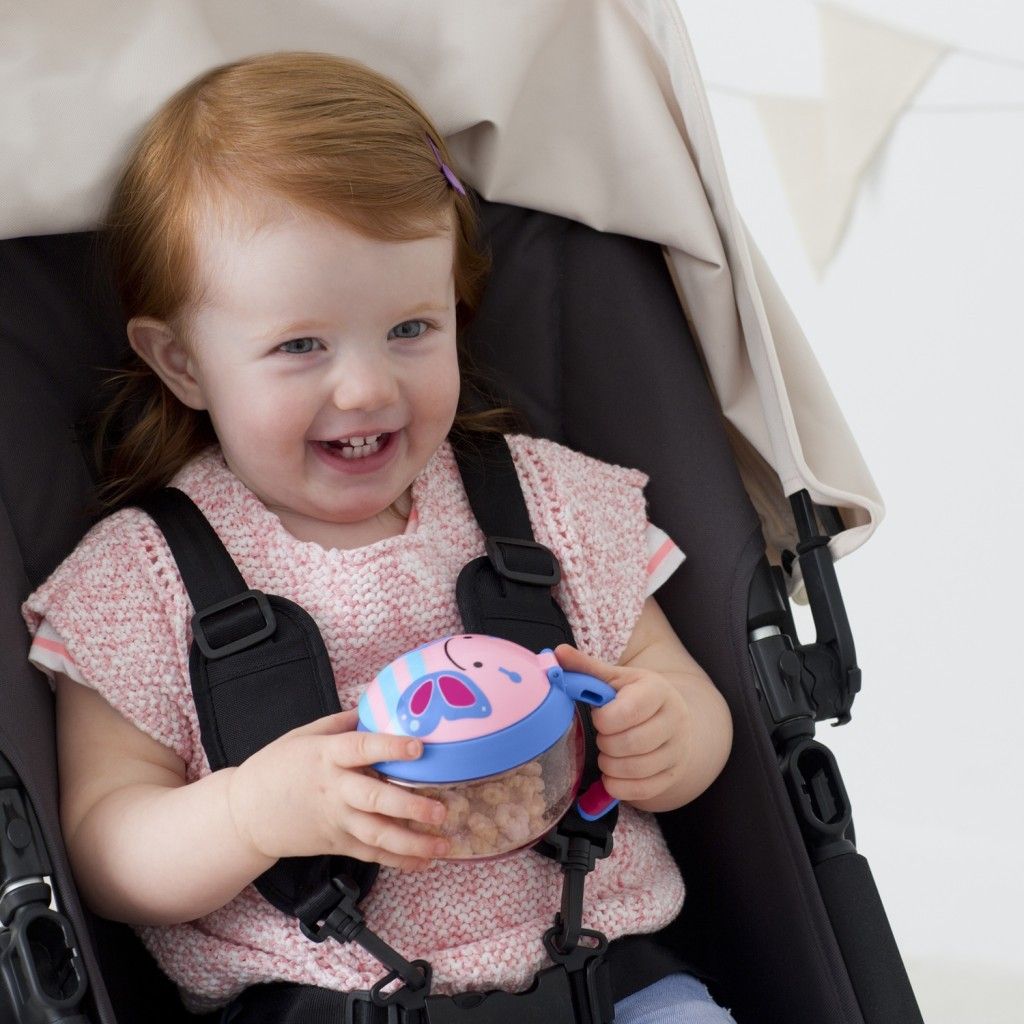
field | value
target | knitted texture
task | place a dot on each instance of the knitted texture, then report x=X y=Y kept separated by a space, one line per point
x=120 y=605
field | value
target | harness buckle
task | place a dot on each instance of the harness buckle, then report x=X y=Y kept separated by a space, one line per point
x=549 y=578
x=342 y=919
x=243 y=642
x=577 y=956
x=576 y=844
x=410 y=996
x=403 y=1006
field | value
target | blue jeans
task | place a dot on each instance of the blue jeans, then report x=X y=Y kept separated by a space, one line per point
x=676 y=999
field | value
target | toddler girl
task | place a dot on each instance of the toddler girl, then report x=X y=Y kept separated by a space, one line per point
x=295 y=257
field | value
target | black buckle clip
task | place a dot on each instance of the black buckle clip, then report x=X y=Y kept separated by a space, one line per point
x=342 y=918
x=344 y=922
x=407 y=996
x=267 y=629
x=576 y=853
x=580 y=955
x=549 y=579
x=404 y=1006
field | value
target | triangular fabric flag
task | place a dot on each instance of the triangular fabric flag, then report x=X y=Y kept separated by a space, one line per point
x=823 y=147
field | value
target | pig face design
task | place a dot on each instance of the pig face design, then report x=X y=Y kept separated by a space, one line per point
x=456 y=688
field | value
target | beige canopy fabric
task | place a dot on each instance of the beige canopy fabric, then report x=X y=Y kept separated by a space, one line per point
x=590 y=109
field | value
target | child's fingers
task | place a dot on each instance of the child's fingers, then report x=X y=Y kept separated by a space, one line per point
x=643 y=766
x=385 y=798
x=638 y=789
x=574 y=660
x=360 y=749
x=387 y=836
x=634 y=705
x=371 y=854
x=642 y=739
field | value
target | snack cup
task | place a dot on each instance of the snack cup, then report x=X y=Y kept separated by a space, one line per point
x=503 y=743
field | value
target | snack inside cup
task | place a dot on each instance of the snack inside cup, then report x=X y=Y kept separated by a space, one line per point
x=503 y=742
x=499 y=814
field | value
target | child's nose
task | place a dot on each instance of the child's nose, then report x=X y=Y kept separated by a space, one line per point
x=365 y=381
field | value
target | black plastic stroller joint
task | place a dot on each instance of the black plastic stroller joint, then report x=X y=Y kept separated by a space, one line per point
x=43 y=975
x=796 y=681
x=800 y=684
x=831 y=675
x=819 y=798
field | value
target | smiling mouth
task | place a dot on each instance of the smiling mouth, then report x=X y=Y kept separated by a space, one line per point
x=449 y=653
x=357 y=448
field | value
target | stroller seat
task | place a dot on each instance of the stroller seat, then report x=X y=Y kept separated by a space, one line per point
x=583 y=332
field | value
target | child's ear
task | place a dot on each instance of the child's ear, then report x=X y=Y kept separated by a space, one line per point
x=160 y=347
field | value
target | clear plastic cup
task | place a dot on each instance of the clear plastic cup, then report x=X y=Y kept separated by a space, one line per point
x=498 y=814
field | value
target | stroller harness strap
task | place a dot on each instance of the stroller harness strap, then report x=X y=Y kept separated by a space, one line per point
x=259 y=668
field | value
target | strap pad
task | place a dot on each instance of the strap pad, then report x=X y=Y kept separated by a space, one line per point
x=499 y=606
x=259 y=668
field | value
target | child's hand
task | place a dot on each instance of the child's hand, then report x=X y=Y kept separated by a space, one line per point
x=308 y=793
x=643 y=734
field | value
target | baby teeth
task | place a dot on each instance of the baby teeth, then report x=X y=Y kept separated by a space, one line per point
x=360 y=453
x=357 y=447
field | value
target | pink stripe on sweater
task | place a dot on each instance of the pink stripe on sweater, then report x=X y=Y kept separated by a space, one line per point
x=660 y=555
x=52 y=645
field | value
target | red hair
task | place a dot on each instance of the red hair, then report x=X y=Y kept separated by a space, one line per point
x=322 y=132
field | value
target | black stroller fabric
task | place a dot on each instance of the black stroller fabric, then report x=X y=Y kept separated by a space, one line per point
x=582 y=331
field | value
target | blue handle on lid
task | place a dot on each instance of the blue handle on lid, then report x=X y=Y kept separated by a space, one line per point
x=579 y=686
x=582 y=687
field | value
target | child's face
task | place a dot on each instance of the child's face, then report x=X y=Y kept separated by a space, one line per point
x=311 y=333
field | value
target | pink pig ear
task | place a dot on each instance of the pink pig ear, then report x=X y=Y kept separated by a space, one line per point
x=421 y=698
x=456 y=692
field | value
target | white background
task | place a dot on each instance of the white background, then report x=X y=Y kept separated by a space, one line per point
x=917 y=326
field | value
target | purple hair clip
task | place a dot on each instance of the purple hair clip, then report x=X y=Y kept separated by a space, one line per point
x=446 y=170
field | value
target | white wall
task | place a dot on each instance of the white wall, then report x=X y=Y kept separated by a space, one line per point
x=917 y=325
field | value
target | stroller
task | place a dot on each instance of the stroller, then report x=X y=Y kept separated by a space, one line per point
x=628 y=316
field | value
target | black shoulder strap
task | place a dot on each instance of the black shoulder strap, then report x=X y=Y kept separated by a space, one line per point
x=258 y=668
x=506 y=593
x=246 y=643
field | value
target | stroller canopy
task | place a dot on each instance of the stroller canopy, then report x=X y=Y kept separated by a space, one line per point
x=593 y=111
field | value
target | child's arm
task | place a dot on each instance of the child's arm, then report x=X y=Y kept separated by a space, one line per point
x=148 y=848
x=667 y=735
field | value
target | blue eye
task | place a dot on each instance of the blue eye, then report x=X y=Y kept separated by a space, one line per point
x=406 y=323
x=301 y=342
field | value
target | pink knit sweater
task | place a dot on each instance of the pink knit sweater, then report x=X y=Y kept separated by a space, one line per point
x=119 y=606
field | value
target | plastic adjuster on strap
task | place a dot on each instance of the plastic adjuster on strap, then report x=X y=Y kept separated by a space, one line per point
x=337 y=916
x=494 y=545
x=240 y=644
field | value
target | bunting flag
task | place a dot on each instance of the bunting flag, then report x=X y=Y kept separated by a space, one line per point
x=824 y=146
